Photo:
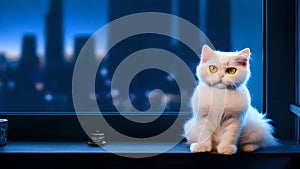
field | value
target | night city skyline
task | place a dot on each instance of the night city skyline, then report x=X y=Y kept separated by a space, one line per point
x=41 y=39
x=38 y=83
x=18 y=18
x=30 y=87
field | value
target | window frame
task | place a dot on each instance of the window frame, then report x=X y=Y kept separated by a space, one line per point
x=279 y=91
x=279 y=23
x=295 y=108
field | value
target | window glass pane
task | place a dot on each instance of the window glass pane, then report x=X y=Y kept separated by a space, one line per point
x=40 y=41
x=246 y=31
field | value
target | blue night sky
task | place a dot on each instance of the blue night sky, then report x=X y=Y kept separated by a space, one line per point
x=19 y=17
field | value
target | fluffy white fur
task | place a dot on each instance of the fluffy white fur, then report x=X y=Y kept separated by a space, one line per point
x=223 y=119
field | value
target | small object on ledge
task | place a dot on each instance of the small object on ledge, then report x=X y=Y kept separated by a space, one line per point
x=3 y=131
x=97 y=138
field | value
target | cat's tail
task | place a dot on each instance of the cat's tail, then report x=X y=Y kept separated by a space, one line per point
x=258 y=130
x=268 y=138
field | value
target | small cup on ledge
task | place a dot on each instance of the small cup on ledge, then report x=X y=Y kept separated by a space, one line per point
x=3 y=131
x=97 y=138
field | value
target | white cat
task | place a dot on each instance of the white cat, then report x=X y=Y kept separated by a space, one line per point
x=223 y=118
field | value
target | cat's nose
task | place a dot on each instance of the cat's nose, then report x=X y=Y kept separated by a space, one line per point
x=221 y=75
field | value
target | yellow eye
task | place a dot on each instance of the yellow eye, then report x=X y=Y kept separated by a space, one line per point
x=231 y=70
x=213 y=69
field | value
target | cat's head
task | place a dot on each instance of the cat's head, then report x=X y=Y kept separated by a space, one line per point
x=224 y=69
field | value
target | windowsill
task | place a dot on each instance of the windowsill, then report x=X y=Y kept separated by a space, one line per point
x=83 y=147
x=287 y=147
x=17 y=154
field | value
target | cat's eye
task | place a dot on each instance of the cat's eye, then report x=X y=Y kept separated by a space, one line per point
x=231 y=70
x=213 y=69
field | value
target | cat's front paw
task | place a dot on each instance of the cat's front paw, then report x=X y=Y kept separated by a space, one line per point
x=227 y=149
x=249 y=147
x=197 y=148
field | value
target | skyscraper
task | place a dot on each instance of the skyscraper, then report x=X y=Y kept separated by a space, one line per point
x=54 y=44
x=3 y=63
x=3 y=80
x=27 y=75
x=29 y=60
x=67 y=72
x=79 y=43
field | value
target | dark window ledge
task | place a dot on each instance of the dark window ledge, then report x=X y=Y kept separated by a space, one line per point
x=286 y=147
x=79 y=155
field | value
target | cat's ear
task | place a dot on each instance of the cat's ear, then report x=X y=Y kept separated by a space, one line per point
x=207 y=53
x=243 y=57
x=245 y=53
